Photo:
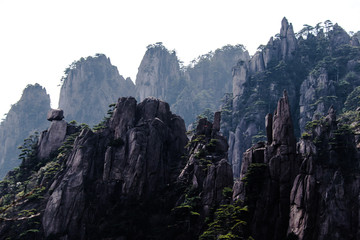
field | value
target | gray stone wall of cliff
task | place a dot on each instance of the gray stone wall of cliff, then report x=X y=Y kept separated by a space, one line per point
x=192 y=89
x=269 y=200
x=89 y=87
x=308 y=190
x=134 y=160
x=25 y=117
x=318 y=70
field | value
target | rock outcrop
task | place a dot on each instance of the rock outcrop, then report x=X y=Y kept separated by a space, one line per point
x=89 y=87
x=267 y=173
x=325 y=194
x=317 y=94
x=131 y=179
x=307 y=191
x=317 y=68
x=53 y=138
x=55 y=114
x=159 y=75
x=206 y=174
x=25 y=117
x=134 y=161
x=288 y=40
x=192 y=89
x=256 y=87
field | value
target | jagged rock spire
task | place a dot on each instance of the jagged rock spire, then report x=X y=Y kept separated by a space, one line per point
x=283 y=130
x=288 y=39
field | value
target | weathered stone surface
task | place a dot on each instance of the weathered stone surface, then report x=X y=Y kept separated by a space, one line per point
x=269 y=211
x=288 y=39
x=314 y=100
x=269 y=127
x=206 y=173
x=239 y=74
x=216 y=123
x=258 y=90
x=283 y=129
x=257 y=63
x=25 y=117
x=52 y=139
x=90 y=86
x=55 y=114
x=208 y=80
x=317 y=199
x=158 y=70
x=324 y=198
x=135 y=160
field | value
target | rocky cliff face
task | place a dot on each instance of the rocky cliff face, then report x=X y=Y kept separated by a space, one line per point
x=317 y=68
x=325 y=194
x=208 y=80
x=190 y=90
x=89 y=87
x=280 y=48
x=25 y=117
x=131 y=179
x=132 y=161
x=205 y=176
x=305 y=192
x=257 y=83
x=273 y=166
x=159 y=75
x=318 y=93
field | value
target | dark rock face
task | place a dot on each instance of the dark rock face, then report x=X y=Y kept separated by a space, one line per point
x=55 y=114
x=319 y=68
x=90 y=86
x=25 y=117
x=206 y=174
x=269 y=200
x=256 y=91
x=52 y=139
x=135 y=161
x=307 y=192
x=325 y=194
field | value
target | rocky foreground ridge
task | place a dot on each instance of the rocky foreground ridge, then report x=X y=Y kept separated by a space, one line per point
x=137 y=176
x=132 y=178
x=305 y=191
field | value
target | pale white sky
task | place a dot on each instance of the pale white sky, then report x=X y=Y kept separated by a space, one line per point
x=40 y=38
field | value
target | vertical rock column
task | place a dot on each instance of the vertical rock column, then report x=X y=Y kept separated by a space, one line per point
x=273 y=166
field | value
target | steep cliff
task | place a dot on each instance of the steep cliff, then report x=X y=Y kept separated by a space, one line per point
x=310 y=191
x=325 y=194
x=118 y=171
x=204 y=179
x=130 y=179
x=192 y=89
x=159 y=75
x=267 y=173
x=257 y=85
x=89 y=86
x=25 y=117
x=318 y=66
x=207 y=81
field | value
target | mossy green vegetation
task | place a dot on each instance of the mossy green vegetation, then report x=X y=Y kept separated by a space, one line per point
x=228 y=223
